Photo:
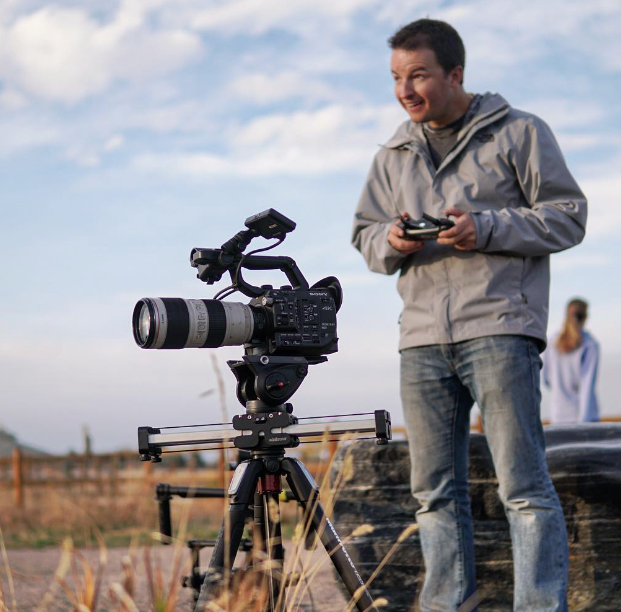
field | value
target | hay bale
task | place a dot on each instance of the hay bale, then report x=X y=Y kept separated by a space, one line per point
x=585 y=465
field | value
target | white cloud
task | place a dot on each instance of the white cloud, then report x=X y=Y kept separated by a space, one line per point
x=332 y=139
x=11 y=100
x=87 y=157
x=257 y=16
x=65 y=55
x=87 y=136
x=570 y=143
x=194 y=164
x=572 y=260
x=265 y=89
x=602 y=192
x=19 y=133
x=114 y=142
x=561 y=112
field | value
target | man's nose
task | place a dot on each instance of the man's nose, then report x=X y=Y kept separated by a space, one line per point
x=405 y=89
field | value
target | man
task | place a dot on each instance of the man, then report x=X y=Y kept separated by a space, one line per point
x=475 y=307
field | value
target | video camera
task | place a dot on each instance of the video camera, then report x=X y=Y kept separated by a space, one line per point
x=282 y=330
x=293 y=320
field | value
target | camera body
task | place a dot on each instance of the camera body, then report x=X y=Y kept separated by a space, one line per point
x=298 y=321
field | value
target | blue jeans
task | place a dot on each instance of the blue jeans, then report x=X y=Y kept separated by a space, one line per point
x=439 y=385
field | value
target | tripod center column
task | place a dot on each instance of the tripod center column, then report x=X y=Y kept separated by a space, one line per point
x=269 y=483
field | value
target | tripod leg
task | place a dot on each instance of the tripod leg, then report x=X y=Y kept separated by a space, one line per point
x=306 y=492
x=241 y=492
x=267 y=524
x=274 y=548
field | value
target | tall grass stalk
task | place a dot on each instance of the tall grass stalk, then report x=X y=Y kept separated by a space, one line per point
x=251 y=593
x=406 y=533
x=9 y=578
x=123 y=592
x=123 y=598
x=225 y=462
x=61 y=571
x=310 y=575
x=84 y=593
x=164 y=593
x=471 y=603
x=328 y=495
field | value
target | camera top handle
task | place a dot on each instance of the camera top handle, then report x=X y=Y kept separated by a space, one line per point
x=212 y=263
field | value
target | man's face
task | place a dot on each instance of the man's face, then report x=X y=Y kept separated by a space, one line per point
x=423 y=89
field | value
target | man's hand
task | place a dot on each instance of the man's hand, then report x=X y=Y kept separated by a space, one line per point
x=397 y=242
x=463 y=235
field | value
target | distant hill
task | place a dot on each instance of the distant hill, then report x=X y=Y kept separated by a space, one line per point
x=8 y=442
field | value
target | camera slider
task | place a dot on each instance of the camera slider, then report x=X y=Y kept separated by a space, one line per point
x=260 y=431
x=426 y=228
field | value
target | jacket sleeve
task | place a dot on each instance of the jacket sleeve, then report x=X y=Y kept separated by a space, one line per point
x=588 y=407
x=375 y=213
x=555 y=217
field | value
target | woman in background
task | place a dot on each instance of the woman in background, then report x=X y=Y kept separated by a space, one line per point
x=570 y=369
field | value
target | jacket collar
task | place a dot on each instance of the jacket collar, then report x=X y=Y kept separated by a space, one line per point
x=493 y=106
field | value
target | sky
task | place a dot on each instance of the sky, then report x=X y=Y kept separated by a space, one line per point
x=133 y=131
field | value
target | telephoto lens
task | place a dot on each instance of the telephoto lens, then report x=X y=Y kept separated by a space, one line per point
x=175 y=323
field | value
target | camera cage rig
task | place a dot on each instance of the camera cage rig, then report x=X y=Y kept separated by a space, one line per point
x=212 y=263
x=264 y=384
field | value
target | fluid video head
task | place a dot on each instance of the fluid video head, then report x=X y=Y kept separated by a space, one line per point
x=296 y=321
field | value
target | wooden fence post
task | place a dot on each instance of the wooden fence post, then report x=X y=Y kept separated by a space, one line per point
x=147 y=467
x=18 y=477
x=114 y=479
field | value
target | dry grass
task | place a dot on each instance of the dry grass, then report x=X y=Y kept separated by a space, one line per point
x=80 y=580
x=83 y=513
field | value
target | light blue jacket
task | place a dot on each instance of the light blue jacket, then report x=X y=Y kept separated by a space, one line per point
x=571 y=378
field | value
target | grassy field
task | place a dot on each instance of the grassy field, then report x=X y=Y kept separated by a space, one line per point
x=126 y=514
x=75 y=531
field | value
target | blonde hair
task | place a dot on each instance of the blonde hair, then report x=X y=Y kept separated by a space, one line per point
x=570 y=337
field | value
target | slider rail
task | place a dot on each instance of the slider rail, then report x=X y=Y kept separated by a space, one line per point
x=152 y=442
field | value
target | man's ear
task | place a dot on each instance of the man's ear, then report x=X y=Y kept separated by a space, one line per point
x=456 y=76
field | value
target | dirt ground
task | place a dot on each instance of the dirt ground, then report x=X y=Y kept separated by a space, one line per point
x=33 y=571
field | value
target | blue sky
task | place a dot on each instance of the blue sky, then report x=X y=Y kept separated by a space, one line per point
x=133 y=131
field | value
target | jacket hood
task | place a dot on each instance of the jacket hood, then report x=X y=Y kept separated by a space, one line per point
x=409 y=132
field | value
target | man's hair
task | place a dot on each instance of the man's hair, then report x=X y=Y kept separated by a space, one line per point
x=438 y=36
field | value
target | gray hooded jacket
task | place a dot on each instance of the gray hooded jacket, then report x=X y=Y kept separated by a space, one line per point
x=507 y=171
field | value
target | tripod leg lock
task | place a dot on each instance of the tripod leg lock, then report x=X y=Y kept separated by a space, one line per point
x=300 y=480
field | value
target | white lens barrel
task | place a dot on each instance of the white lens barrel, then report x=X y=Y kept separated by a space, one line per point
x=161 y=323
x=238 y=324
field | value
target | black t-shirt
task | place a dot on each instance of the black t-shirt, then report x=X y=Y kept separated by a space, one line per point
x=442 y=139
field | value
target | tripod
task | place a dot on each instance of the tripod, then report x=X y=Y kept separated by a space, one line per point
x=267 y=430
